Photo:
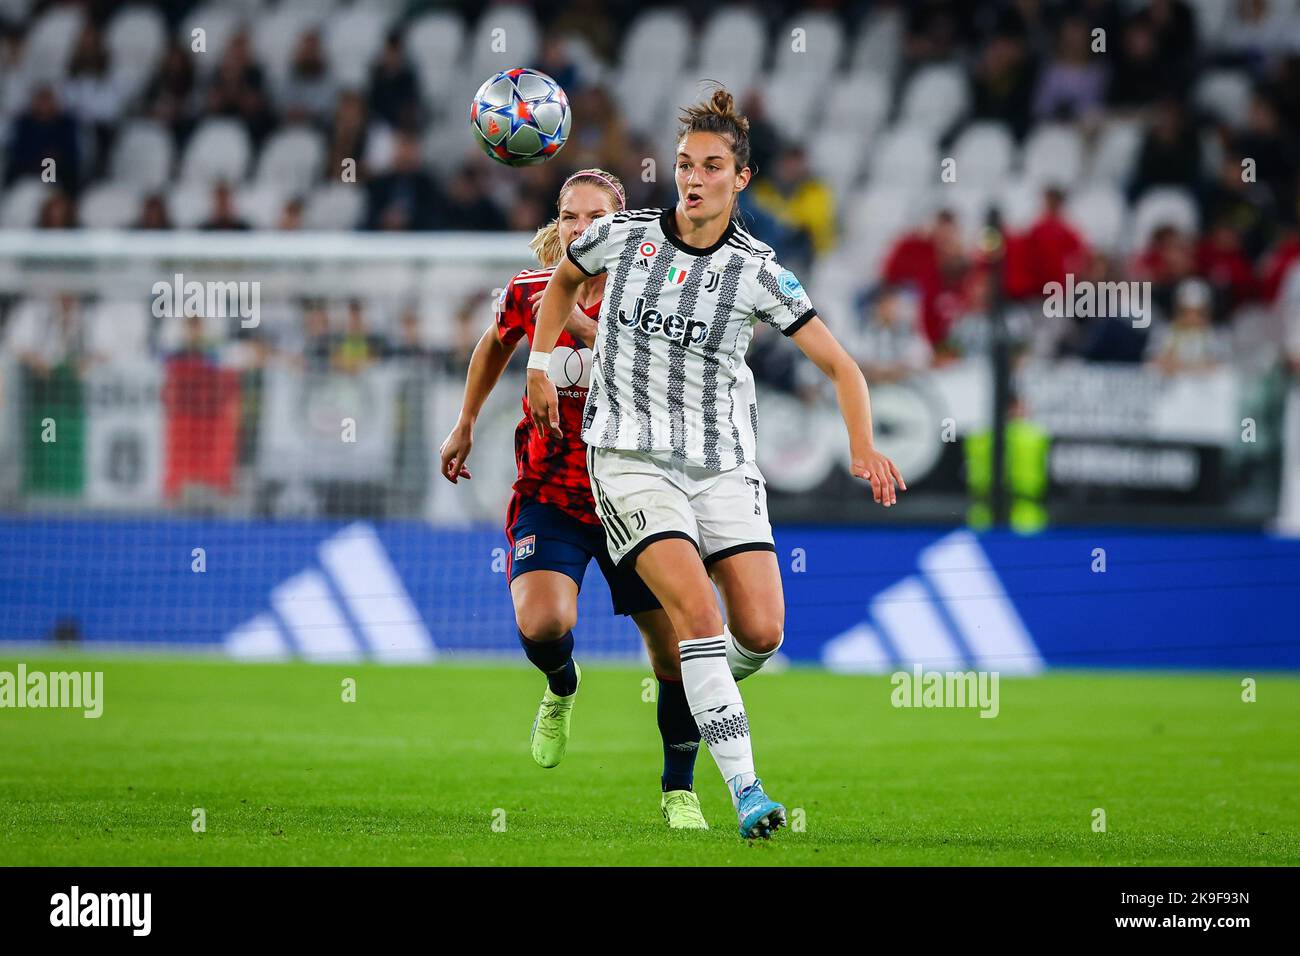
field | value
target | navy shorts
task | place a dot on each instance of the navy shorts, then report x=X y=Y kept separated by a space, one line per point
x=546 y=538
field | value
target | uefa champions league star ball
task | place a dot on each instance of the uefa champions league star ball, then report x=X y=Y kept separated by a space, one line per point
x=520 y=117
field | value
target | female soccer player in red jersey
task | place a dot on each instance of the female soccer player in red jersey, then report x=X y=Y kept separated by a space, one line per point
x=672 y=419
x=551 y=523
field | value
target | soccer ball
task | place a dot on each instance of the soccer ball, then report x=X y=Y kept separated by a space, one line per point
x=520 y=117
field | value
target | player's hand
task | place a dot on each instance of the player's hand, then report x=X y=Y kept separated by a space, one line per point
x=544 y=402
x=881 y=472
x=580 y=325
x=455 y=449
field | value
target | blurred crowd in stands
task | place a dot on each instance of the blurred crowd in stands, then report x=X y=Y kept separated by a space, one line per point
x=1227 y=150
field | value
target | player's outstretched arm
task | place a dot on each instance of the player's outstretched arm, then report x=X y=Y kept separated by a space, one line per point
x=557 y=302
x=490 y=358
x=816 y=341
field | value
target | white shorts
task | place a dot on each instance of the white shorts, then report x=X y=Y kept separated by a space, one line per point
x=642 y=498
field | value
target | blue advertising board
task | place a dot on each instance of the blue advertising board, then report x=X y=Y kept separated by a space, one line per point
x=858 y=600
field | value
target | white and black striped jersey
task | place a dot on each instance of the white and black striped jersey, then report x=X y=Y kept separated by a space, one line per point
x=670 y=376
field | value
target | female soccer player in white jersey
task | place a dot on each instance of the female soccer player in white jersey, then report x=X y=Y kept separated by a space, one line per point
x=551 y=524
x=671 y=422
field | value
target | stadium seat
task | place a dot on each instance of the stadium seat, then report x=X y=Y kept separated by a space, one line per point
x=522 y=43
x=905 y=156
x=20 y=206
x=983 y=154
x=968 y=202
x=334 y=206
x=1053 y=155
x=878 y=44
x=792 y=103
x=1210 y=15
x=880 y=213
x=837 y=156
x=1225 y=95
x=655 y=51
x=588 y=63
x=189 y=204
x=859 y=104
x=143 y=154
x=731 y=48
x=444 y=147
x=876 y=217
x=261 y=203
x=136 y=38
x=49 y=44
x=292 y=158
x=1019 y=202
x=276 y=36
x=1116 y=151
x=835 y=280
x=219 y=149
x=1164 y=205
x=658 y=41
x=1100 y=213
x=219 y=22
x=110 y=205
x=433 y=45
x=352 y=38
x=822 y=45
x=935 y=98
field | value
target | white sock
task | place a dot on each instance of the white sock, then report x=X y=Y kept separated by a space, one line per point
x=742 y=660
x=719 y=712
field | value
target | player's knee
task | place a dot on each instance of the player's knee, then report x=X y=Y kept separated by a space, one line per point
x=761 y=637
x=543 y=624
x=667 y=665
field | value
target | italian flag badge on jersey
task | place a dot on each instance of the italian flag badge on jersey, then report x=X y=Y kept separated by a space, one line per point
x=676 y=276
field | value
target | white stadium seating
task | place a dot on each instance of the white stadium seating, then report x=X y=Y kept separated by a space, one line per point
x=1164 y=205
x=144 y=154
x=49 y=44
x=935 y=98
x=219 y=149
x=984 y=154
x=1053 y=155
x=110 y=205
x=292 y=158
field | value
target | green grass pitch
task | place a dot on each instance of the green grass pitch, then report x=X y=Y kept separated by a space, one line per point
x=419 y=768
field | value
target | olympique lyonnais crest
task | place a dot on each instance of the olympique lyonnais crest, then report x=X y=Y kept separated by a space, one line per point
x=525 y=547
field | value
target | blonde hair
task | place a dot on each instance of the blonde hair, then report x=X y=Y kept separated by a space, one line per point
x=546 y=243
x=718 y=115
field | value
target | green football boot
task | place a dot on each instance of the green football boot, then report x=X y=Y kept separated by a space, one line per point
x=550 y=737
x=681 y=808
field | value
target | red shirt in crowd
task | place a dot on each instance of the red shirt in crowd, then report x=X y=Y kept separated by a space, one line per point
x=914 y=260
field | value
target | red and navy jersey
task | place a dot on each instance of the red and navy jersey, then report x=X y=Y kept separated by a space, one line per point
x=551 y=469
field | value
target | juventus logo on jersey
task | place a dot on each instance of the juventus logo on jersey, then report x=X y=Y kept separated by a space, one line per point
x=639 y=517
x=711 y=284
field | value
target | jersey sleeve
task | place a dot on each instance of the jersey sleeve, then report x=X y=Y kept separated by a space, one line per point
x=594 y=249
x=780 y=299
x=509 y=319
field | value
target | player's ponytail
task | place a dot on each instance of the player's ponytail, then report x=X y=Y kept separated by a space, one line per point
x=546 y=244
x=718 y=115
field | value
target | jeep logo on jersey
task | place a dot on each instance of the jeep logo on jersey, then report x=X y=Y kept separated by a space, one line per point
x=673 y=327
